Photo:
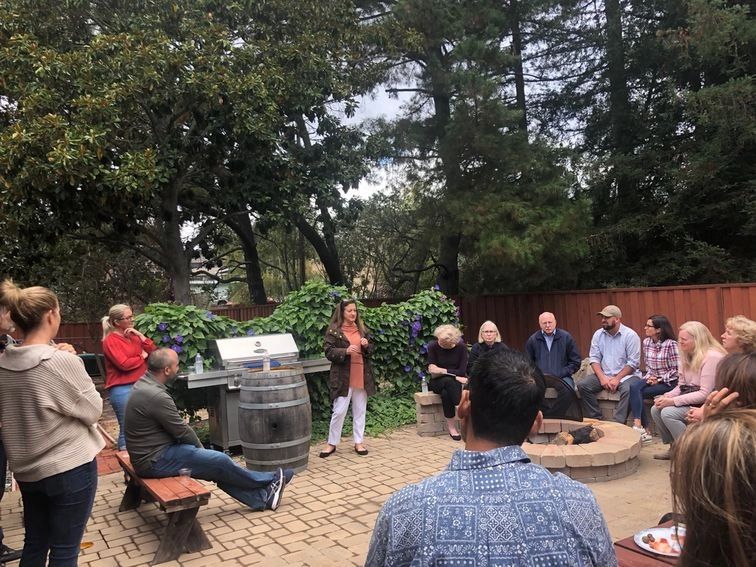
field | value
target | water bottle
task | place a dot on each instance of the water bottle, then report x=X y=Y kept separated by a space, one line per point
x=199 y=366
x=266 y=362
x=424 y=385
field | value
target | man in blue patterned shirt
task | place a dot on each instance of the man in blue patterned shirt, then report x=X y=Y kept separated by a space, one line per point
x=492 y=507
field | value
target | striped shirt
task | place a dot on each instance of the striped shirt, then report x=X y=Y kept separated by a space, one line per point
x=49 y=409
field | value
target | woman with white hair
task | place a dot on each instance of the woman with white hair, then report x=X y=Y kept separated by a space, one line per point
x=700 y=354
x=489 y=339
x=447 y=366
x=126 y=351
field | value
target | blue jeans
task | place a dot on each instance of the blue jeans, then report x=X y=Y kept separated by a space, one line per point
x=56 y=510
x=119 y=396
x=249 y=487
x=3 y=468
x=640 y=391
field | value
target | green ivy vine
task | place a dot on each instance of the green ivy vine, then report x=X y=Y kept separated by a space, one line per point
x=401 y=333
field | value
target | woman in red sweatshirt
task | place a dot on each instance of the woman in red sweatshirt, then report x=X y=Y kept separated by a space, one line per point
x=126 y=351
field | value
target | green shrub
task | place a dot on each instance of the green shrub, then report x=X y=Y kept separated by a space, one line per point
x=401 y=333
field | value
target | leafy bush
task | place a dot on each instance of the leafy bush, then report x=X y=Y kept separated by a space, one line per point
x=401 y=333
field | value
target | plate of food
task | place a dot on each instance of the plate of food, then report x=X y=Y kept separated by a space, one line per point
x=662 y=541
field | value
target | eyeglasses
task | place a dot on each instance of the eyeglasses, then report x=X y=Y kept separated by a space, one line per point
x=129 y=318
x=649 y=327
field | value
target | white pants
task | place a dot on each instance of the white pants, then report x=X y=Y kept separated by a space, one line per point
x=359 y=409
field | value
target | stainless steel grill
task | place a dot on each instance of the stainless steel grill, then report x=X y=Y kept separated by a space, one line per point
x=238 y=357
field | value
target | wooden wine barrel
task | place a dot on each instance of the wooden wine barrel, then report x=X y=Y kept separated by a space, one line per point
x=275 y=420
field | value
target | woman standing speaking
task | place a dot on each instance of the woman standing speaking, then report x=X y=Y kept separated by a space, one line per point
x=351 y=377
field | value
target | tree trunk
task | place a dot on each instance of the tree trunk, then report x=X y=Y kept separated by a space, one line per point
x=619 y=101
x=176 y=260
x=241 y=224
x=329 y=257
x=301 y=263
x=514 y=15
x=448 y=258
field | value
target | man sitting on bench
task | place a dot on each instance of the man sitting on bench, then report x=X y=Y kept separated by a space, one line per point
x=160 y=444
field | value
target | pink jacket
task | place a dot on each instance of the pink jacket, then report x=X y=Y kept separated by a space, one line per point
x=704 y=379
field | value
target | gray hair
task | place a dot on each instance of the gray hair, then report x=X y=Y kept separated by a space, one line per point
x=448 y=332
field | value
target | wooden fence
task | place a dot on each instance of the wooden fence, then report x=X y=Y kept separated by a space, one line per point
x=516 y=314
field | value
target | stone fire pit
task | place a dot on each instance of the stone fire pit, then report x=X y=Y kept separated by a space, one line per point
x=613 y=456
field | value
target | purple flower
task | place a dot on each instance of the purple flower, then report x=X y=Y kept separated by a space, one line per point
x=166 y=339
x=381 y=332
x=334 y=294
x=250 y=332
x=179 y=339
x=437 y=287
x=234 y=331
x=210 y=315
x=162 y=327
x=407 y=368
x=423 y=349
x=177 y=348
x=420 y=374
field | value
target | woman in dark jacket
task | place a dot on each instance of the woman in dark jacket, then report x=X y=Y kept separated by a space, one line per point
x=351 y=377
x=488 y=339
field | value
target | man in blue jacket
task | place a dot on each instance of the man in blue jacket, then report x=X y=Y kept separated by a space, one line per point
x=554 y=350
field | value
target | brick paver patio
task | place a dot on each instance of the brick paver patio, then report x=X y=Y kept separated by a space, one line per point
x=328 y=512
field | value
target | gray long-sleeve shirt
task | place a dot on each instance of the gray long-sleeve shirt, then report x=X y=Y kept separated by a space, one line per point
x=153 y=423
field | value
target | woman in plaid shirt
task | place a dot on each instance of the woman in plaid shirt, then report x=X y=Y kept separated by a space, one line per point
x=662 y=359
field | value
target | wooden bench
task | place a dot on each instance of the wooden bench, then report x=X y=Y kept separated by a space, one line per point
x=180 y=497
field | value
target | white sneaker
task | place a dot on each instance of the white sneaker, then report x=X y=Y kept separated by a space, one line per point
x=645 y=437
x=275 y=490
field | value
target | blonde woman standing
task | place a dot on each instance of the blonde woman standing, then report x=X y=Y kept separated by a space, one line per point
x=700 y=354
x=126 y=351
x=49 y=408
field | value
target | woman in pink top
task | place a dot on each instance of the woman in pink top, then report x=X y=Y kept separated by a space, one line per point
x=700 y=354
x=125 y=351
x=348 y=347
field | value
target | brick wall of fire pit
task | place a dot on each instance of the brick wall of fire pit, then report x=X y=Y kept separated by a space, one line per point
x=613 y=456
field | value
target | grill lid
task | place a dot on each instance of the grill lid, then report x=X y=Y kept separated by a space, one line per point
x=240 y=352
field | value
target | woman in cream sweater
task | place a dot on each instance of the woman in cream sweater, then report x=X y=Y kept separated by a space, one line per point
x=49 y=410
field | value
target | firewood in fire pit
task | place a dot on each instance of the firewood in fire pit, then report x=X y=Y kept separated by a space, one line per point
x=578 y=436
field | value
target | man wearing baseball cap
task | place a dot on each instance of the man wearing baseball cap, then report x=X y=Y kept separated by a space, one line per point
x=615 y=359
